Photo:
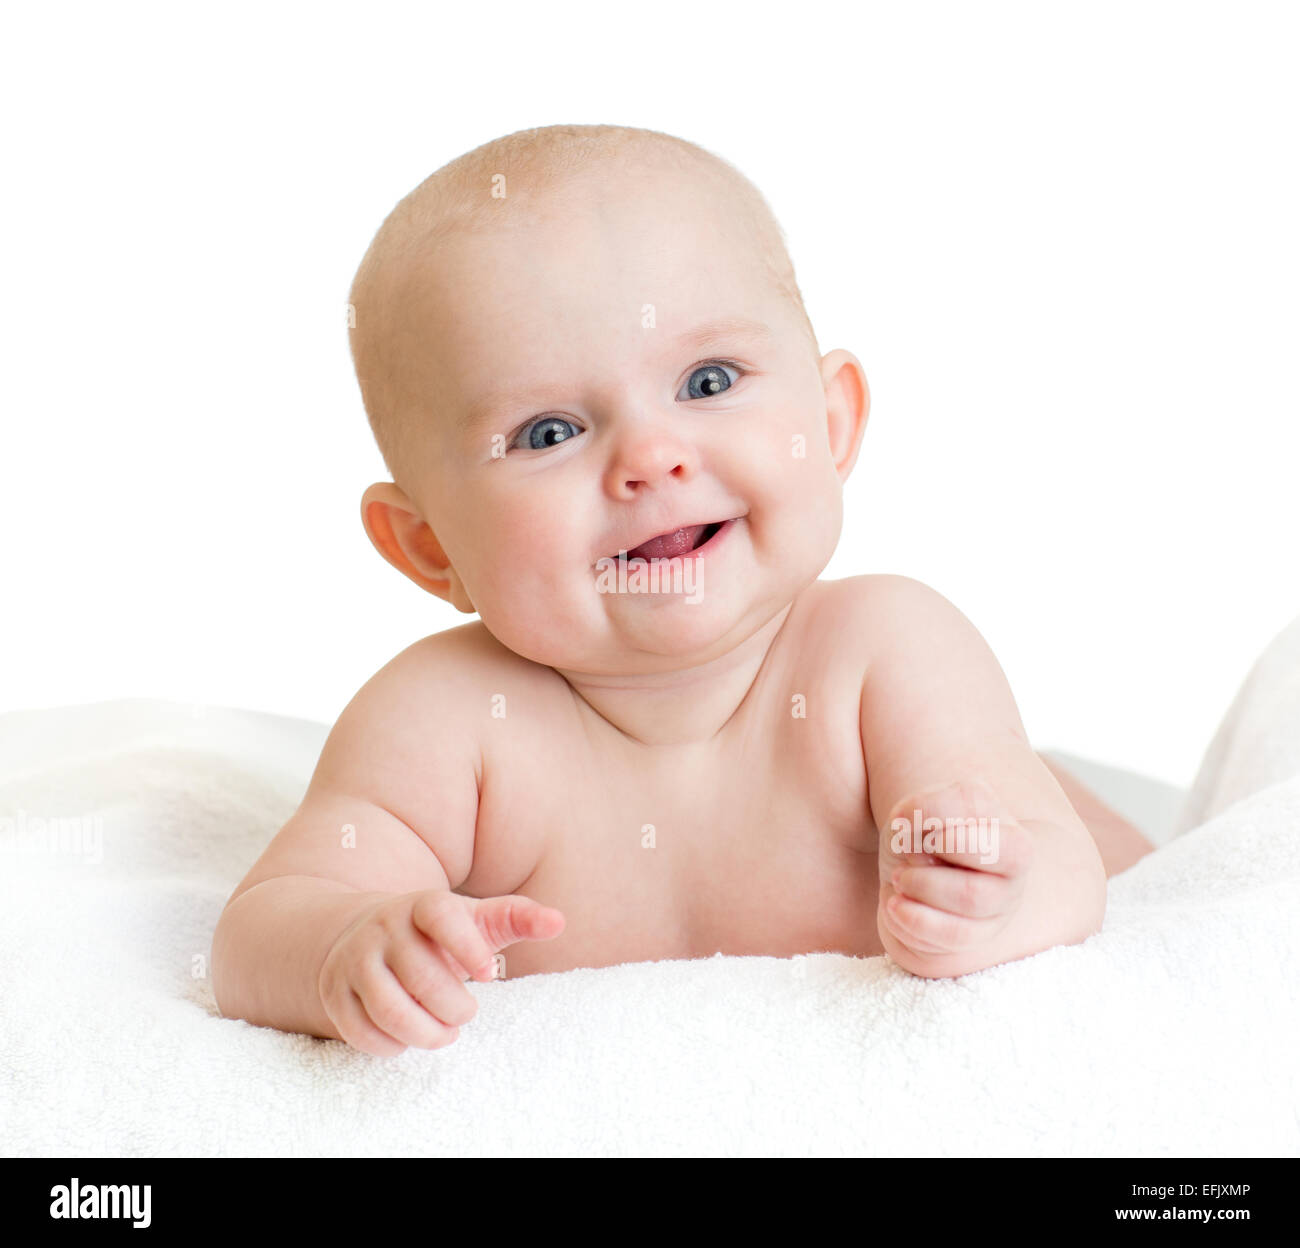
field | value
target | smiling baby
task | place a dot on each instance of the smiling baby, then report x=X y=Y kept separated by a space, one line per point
x=613 y=437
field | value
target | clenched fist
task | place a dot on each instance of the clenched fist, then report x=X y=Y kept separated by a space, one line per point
x=966 y=885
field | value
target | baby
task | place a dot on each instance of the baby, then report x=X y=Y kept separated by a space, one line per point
x=612 y=435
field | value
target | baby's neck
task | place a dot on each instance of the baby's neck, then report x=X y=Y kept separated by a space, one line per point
x=683 y=707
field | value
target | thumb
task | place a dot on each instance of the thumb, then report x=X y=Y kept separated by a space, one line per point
x=505 y=920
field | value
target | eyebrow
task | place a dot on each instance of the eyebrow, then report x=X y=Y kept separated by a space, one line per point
x=728 y=329
x=702 y=338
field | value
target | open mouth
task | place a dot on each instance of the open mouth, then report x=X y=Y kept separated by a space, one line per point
x=679 y=542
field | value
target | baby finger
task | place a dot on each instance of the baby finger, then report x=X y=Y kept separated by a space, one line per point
x=957 y=890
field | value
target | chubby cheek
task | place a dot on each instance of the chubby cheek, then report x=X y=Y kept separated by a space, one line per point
x=520 y=571
x=795 y=494
x=803 y=528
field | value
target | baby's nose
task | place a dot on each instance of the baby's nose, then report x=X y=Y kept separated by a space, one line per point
x=647 y=458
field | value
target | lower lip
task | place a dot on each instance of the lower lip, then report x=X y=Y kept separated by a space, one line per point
x=707 y=548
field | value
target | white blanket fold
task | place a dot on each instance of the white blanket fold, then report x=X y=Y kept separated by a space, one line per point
x=1171 y=1032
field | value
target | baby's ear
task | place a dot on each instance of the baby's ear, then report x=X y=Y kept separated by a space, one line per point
x=399 y=533
x=848 y=403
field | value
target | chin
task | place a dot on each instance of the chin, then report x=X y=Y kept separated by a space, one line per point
x=676 y=629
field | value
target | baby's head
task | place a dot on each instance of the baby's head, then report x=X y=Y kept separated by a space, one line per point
x=573 y=340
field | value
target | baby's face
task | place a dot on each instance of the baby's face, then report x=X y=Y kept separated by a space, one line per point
x=621 y=368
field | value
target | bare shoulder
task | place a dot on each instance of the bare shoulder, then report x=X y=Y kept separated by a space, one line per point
x=916 y=644
x=923 y=652
x=409 y=745
x=463 y=662
x=884 y=609
x=875 y=588
x=430 y=702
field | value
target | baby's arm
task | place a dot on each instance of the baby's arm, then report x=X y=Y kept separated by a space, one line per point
x=347 y=926
x=941 y=735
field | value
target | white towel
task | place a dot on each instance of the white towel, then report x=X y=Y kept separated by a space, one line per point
x=1258 y=742
x=1172 y=1032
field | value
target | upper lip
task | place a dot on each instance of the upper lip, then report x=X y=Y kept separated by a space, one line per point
x=685 y=524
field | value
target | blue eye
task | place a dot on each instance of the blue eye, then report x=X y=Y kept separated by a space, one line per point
x=706 y=381
x=549 y=431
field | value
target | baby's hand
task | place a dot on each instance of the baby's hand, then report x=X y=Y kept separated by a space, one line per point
x=395 y=976
x=977 y=887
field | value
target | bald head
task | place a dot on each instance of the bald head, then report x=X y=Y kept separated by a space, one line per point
x=508 y=185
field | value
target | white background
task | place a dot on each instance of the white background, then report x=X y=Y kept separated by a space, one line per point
x=1061 y=238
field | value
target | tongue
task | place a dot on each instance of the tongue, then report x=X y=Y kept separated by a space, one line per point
x=670 y=545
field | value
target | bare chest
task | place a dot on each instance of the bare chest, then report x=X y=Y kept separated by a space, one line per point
x=764 y=847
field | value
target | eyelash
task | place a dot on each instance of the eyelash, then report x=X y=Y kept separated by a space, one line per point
x=513 y=441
